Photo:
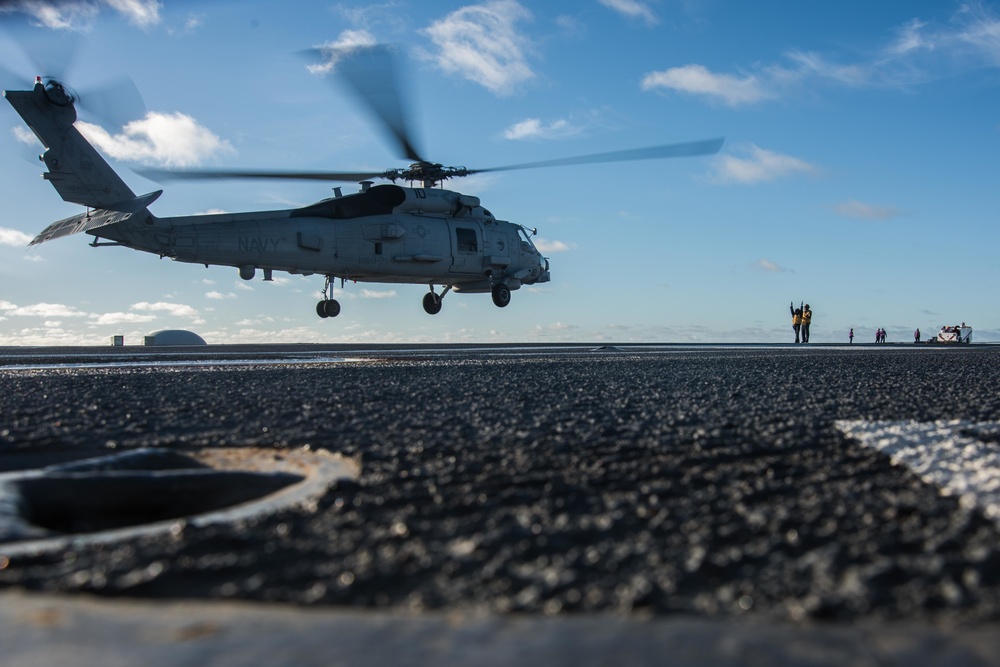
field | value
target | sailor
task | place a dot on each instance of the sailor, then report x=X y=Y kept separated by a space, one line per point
x=807 y=316
x=796 y=319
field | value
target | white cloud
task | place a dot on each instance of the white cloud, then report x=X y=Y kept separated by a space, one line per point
x=25 y=136
x=484 y=44
x=632 y=9
x=57 y=16
x=79 y=15
x=176 y=309
x=122 y=318
x=759 y=165
x=918 y=52
x=49 y=310
x=856 y=209
x=219 y=296
x=265 y=319
x=909 y=39
x=378 y=294
x=141 y=13
x=984 y=37
x=13 y=237
x=168 y=139
x=808 y=64
x=533 y=128
x=545 y=245
x=768 y=266
x=332 y=52
x=972 y=33
x=697 y=80
x=555 y=327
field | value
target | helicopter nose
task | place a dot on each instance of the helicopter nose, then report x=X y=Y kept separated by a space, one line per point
x=546 y=276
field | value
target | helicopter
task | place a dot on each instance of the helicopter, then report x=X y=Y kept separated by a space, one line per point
x=384 y=233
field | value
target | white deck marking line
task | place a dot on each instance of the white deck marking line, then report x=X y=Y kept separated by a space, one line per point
x=946 y=454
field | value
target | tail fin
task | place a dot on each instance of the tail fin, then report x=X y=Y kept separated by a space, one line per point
x=76 y=170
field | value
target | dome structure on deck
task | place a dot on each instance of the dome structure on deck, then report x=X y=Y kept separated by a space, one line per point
x=174 y=337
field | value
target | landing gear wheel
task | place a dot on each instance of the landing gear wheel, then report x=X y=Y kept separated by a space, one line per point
x=432 y=303
x=331 y=307
x=328 y=308
x=501 y=295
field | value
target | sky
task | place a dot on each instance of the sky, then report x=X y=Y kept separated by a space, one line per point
x=858 y=172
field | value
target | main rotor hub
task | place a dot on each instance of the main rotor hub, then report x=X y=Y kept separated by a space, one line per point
x=428 y=173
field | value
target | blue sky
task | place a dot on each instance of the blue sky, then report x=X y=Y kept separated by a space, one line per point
x=858 y=174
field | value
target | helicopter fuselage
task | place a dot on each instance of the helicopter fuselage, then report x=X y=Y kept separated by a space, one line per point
x=386 y=234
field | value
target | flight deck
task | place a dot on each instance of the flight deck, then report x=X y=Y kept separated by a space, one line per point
x=814 y=504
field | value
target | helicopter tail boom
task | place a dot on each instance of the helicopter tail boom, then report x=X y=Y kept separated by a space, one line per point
x=76 y=170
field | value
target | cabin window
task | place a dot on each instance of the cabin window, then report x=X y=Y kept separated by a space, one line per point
x=466 y=239
x=378 y=248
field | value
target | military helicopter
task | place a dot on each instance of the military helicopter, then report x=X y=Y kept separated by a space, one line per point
x=384 y=233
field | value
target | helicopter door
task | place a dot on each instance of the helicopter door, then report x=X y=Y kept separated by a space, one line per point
x=496 y=250
x=466 y=248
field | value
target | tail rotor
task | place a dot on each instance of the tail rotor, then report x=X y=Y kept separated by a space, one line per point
x=48 y=56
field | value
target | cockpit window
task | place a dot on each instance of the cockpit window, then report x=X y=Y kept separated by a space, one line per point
x=527 y=245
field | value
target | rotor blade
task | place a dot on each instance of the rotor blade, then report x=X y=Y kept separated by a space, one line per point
x=370 y=72
x=27 y=51
x=208 y=174
x=114 y=103
x=52 y=52
x=687 y=149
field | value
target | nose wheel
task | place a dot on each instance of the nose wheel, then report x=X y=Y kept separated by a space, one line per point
x=501 y=295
